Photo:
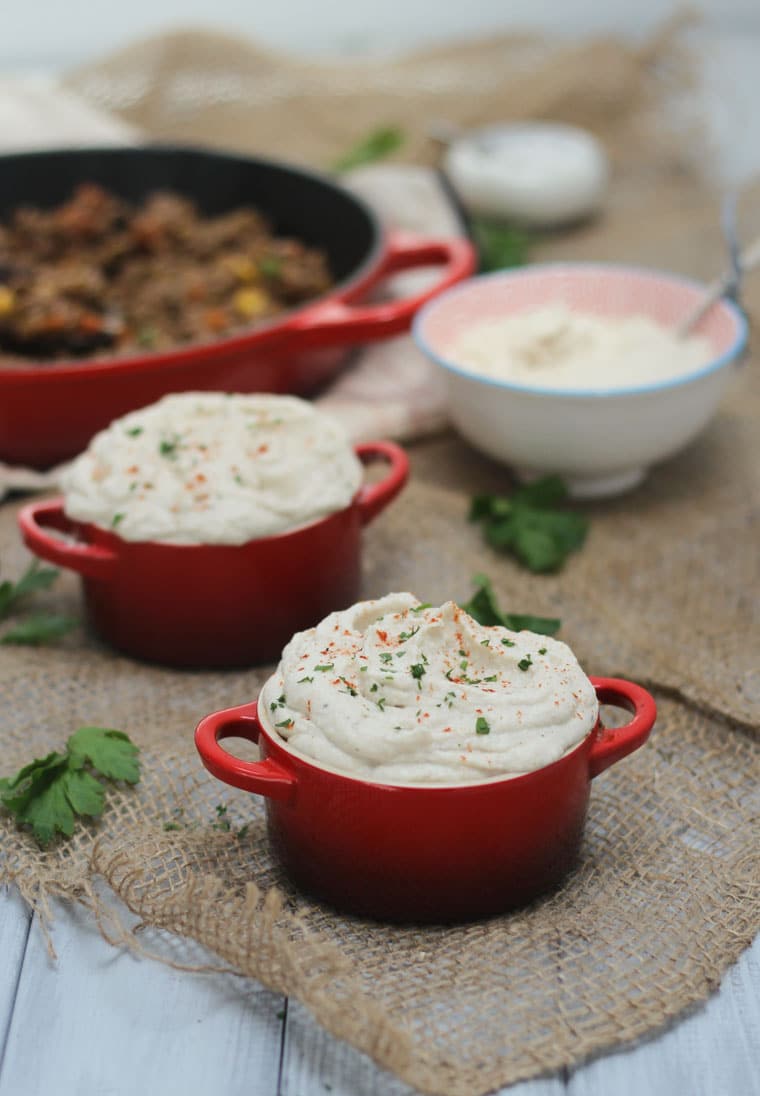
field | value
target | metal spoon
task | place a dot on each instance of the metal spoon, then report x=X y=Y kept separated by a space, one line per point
x=729 y=283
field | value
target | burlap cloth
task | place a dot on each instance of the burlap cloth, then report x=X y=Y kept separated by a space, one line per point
x=668 y=890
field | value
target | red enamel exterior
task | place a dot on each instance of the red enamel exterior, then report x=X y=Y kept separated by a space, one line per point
x=216 y=605
x=49 y=413
x=417 y=853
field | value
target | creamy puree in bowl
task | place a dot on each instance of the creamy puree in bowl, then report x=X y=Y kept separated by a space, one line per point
x=211 y=468
x=556 y=347
x=398 y=692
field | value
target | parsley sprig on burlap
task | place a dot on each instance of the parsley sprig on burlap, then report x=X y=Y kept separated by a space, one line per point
x=50 y=792
x=532 y=524
x=484 y=608
x=376 y=145
x=36 y=628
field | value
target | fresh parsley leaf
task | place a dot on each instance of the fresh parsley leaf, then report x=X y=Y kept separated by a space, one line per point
x=111 y=753
x=50 y=792
x=325 y=669
x=417 y=670
x=499 y=245
x=39 y=628
x=482 y=725
x=525 y=663
x=168 y=449
x=134 y=432
x=484 y=608
x=377 y=145
x=36 y=577
x=530 y=526
x=285 y=723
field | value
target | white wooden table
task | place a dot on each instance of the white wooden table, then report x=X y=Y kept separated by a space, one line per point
x=100 y=1022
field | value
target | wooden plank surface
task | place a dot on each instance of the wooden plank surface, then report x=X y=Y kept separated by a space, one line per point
x=100 y=1022
x=15 y=920
x=714 y=1052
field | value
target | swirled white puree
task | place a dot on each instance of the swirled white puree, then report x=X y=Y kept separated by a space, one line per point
x=397 y=692
x=211 y=468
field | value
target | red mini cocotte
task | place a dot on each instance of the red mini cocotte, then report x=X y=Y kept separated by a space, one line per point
x=424 y=852
x=216 y=605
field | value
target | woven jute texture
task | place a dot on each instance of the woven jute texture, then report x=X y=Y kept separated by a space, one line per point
x=667 y=892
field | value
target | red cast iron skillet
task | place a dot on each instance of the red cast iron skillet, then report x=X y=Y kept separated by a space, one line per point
x=216 y=605
x=420 y=852
x=49 y=412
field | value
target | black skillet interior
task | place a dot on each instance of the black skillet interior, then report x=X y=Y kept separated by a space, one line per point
x=306 y=206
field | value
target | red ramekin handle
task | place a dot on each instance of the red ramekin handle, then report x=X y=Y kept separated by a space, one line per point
x=374 y=497
x=615 y=742
x=90 y=560
x=266 y=778
x=341 y=323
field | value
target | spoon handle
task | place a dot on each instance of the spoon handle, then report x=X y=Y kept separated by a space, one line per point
x=748 y=260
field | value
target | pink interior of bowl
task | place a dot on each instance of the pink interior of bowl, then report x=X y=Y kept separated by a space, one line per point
x=599 y=290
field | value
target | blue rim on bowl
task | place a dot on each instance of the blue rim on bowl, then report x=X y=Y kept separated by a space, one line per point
x=740 y=342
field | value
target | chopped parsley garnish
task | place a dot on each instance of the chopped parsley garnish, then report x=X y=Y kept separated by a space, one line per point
x=325 y=669
x=349 y=687
x=168 y=449
x=381 y=703
x=363 y=669
x=417 y=670
x=463 y=654
x=280 y=702
x=135 y=432
x=542 y=650
x=304 y=679
x=285 y=723
x=508 y=642
x=482 y=725
x=421 y=608
x=525 y=663
x=408 y=635
x=270 y=266
x=463 y=664
x=239 y=480
x=448 y=673
x=493 y=677
x=374 y=687
x=449 y=699
x=116 y=519
x=485 y=643
x=386 y=656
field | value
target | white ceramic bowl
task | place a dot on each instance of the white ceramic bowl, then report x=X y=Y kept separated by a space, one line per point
x=601 y=441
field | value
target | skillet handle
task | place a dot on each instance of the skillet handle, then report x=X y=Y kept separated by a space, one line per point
x=340 y=323
x=613 y=743
x=90 y=560
x=374 y=497
x=266 y=777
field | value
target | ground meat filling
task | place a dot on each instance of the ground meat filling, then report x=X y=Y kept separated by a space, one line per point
x=97 y=276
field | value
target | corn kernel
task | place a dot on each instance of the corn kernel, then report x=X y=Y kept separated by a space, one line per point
x=7 y=300
x=251 y=302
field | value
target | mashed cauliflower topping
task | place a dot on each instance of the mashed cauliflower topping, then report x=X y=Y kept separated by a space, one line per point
x=399 y=692
x=557 y=348
x=210 y=468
